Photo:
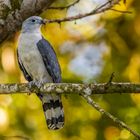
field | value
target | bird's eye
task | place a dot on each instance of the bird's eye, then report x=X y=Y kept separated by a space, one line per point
x=33 y=20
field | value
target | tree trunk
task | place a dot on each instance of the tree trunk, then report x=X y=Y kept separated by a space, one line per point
x=13 y=12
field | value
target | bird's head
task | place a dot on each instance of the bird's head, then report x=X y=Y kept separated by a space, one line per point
x=32 y=24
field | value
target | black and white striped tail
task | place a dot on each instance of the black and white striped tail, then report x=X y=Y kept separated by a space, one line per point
x=53 y=110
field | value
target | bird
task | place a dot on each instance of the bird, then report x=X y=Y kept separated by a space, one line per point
x=39 y=64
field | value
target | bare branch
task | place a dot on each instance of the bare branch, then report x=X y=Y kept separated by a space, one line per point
x=113 y=118
x=64 y=7
x=104 y=7
x=111 y=78
x=16 y=137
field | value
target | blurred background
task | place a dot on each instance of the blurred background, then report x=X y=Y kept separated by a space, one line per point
x=89 y=50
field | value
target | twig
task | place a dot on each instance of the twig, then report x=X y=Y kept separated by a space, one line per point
x=17 y=136
x=64 y=7
x=104 y=7
x=113 y=118
x=124 y=1
x=108 y=84
x=125 y=12
x=111 y=78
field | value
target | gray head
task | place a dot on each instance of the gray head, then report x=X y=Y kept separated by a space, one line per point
x=32 y=24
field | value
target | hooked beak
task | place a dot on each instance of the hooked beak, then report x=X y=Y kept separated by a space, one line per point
x=44 y=21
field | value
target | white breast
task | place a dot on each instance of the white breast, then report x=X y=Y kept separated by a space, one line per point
x=31 y=57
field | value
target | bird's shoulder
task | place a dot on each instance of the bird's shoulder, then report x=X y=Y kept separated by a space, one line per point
x=50 y=59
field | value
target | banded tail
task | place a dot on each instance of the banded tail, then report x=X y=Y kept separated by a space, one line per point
x=53 y=110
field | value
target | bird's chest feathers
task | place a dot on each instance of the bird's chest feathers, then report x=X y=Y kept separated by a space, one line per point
x=28 y=47
x=32 y=55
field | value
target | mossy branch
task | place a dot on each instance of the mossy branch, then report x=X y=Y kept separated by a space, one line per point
x=70 y=88
x=85 y=90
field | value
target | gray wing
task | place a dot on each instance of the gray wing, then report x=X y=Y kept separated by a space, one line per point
x=50 y=60
x=26 y=75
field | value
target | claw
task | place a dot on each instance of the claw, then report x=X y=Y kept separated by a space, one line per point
x=31 y=84
x=38 y=83
x=35 y=83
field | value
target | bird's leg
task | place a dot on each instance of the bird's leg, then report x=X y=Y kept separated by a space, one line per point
x=35 y=83
x=32 y=84
x=39 y=84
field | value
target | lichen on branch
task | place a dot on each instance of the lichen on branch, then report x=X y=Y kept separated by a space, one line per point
x=85 y=90
x=71 y=88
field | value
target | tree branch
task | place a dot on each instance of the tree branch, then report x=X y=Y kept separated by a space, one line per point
x=85 y=90
x=13 y=13
x=64 y=7
x=113 y=118
x=104 y=7
x=16 y=137
x=69 y=88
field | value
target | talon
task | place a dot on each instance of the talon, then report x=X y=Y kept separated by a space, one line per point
x=35 y=83
x=38 y=84
x=31 y=83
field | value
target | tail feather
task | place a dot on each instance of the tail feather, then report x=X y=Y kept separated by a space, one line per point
x=53 y=110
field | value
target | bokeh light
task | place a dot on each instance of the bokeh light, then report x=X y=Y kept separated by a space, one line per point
x=4 y=120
